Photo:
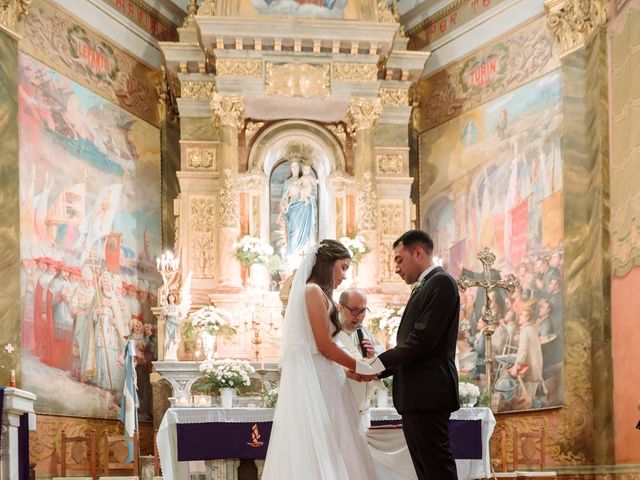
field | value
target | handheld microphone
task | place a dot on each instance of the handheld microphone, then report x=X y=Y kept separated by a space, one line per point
x=360 y=333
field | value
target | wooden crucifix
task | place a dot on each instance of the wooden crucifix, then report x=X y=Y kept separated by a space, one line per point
x=487 y=258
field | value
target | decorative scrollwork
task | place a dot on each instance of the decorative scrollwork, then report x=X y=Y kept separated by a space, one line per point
x=227 y=110
x=229 y=205
x=367 y=204
x=363 y=113
x=573 y=21
x=355 y=71
x=197 y=90
x=202 y=239
x=232 y=67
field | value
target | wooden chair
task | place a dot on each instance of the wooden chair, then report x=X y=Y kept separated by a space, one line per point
x=115 y=451
x=498 y=449
x=79 y=453
x=529 y=454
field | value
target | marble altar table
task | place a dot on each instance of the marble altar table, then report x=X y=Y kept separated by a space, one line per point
x=196 y=433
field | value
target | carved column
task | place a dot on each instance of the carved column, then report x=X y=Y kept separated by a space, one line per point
x=362 y=118
x=578 y=28
x=228 y=116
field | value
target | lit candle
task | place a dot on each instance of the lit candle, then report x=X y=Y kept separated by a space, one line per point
x=261 y=362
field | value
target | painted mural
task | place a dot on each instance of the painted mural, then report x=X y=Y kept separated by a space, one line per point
x=302 y=8
x=493 y=177
x=90 y=227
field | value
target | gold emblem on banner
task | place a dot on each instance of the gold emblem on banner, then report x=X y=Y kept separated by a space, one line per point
x=255 y=437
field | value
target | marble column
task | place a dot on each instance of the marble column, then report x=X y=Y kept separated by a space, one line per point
x=228 y=116
x=16 y=402
x=362 y=119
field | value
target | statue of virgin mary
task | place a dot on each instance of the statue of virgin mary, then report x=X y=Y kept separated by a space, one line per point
x=299 y=210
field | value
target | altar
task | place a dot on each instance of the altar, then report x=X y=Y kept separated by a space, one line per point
x=192 y=434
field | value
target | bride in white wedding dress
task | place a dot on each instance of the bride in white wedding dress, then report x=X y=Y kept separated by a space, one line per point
x=315 y=428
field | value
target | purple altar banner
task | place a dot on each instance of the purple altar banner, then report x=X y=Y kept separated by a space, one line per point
x=249 y=440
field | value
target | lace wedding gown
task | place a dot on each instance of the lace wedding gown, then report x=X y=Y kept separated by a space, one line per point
x=315 y=428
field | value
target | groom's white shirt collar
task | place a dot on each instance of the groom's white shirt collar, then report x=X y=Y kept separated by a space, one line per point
x=424 y=274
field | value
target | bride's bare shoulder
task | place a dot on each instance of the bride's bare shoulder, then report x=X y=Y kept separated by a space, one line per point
x=312 y=288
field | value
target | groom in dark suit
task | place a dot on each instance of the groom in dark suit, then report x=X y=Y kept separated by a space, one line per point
x=425 y=379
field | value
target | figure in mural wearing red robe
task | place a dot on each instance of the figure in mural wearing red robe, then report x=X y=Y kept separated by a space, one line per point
x=43 y=312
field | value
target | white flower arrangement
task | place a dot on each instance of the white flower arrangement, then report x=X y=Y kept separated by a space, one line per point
x=357 y=247
x=271 y=398
x=250 y=250
x=386 y=320
x=210 y=319
x=227 y=373
x=468 y=392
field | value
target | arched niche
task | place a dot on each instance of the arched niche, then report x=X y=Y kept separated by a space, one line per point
x=318 y=148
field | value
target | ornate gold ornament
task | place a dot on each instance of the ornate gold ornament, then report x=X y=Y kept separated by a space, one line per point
x=250 y=130
x=355 y=71
x=573 y=21
x=167 y=105
x=232 y=67
x=227 y=110
x=229 y=206
x=487 y=258
x=201 y=157
x=340 y=133
x=367 y=204
x=202 y=236
x=197 y=90
x=391 y=227
x=298 y=80
x=190 y=19
x=394 y=97
x=207 y=8
x=12 y=11
x=390 y=163
x=363 y=113
x=384 y=13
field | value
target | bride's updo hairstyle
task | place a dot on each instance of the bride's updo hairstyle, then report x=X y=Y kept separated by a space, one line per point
x=322 y=273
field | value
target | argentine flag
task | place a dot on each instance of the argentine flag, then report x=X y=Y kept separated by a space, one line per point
x=130 y=403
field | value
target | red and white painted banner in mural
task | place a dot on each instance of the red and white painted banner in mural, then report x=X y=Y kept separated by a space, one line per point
x=55 y=38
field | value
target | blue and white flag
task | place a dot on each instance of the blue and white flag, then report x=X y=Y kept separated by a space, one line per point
x=130 y=403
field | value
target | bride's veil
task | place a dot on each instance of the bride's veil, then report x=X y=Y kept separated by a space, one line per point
x=297 y=332
x=301 y=417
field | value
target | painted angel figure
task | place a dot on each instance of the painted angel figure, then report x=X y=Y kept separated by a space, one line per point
x=173 y=316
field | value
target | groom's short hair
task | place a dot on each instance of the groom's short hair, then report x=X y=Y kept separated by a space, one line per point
x=414 y=238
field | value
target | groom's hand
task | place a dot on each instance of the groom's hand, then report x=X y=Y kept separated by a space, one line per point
x=358 y=377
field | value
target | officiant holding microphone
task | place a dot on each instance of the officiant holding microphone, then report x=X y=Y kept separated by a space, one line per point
x=352 y=308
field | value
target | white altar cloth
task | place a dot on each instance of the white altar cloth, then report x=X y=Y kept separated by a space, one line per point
x=388 y=447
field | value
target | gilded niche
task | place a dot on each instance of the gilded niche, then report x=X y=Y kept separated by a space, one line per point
x=298 y=80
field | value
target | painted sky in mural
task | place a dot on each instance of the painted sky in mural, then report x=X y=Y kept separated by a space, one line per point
x=494 y=178
x=90 y=228
x=302 y=8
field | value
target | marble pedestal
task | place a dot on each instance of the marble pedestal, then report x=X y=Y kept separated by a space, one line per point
x=16 y=403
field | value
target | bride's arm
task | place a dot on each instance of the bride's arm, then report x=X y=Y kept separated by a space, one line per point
x=317 y=309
